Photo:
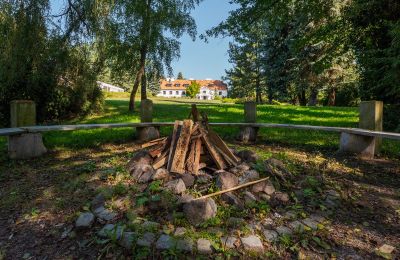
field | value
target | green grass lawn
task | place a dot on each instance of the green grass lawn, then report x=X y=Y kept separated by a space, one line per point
x=165 y=110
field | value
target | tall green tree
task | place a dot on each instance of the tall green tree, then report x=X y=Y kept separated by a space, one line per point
x=143 y=32
x=180 y=76
x=193 y=89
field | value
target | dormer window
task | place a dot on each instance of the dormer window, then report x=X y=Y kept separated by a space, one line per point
x=168 y=85
x=177 y=85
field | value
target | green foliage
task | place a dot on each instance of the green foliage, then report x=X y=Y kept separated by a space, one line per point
x=180 y=76
x=193 y=89
x=41 y=64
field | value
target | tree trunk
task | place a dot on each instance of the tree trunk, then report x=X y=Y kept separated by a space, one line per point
x=143 y=91
x=332 y=97
x=138 y=79
x=302 y=98
x=258 y=90
x=313 y=98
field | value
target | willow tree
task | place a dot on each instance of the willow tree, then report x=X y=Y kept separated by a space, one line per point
x=142 y=32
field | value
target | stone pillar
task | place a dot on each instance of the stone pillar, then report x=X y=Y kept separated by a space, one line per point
x=248 y=134
x=145 y=134
x=364 y=146
x=29 y=145
x=371 y=118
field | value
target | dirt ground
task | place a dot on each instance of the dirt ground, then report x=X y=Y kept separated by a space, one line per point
x=40 y=200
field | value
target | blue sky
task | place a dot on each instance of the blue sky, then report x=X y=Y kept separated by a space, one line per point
x=198 y=59
x=202 y=60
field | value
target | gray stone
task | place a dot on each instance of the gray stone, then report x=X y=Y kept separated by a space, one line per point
x=229 y=242
x=142 y=173
x=310 y=223
x=249 y=198
x=204 y=246
x=235 y=222
x=240 y=169
x=165 y=242
x=280 y=198
x=140 y=158
x=127 y=240
x=266 y=186
x=357 y=144
x=252 y=243
x=270 y=235
x=282 y=230
x=185 y=198
x=150 y=225
x=98 y=201
x=161 y=174
x=111 y=231
x=247 y=134
x=296 y=226
x=248 y=156
x=26 y=146
x=104 y=214
x=204 y=178
x=85 y=220
x=198 y=211
x=188 y=179
x=146 y=240
x=318 y=218
x=176 y=186
x=232 y=199
x=148 y=133
x=248 y=176
x=180 y=231
x=226 y=180
x=268 y=223
x=185 y=245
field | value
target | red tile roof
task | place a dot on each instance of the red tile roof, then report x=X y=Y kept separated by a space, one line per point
x=173 y=84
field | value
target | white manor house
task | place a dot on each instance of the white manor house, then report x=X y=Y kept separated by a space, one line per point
x=209 y=88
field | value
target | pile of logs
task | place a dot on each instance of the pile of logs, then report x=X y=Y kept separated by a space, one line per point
x=191 y=147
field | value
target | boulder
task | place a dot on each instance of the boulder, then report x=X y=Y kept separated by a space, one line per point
x=266 y=186
x=85 y=220
x=252 y=243
x=229 y=242
x=140 y=158
x=311 y=223
x=248 y=176
x=142 y=173
x=280 y=198
x=98 y=201
x=204 y=178
x=248 y=156
x=282 y=230
x=184 y=198
x=204 y=246
x=146 y=240
x=161 y=174
x=177 y=186
x=179 y=231
x=198 y=211
x=104 y=214
x=240 y=169
x=127 y=240
x=188 y=179
x=226 y=180
x=185 y=245
x=270 y=235
x=249 y=198
x=165 y=242
x=235 y=222
x=111 y=231
x=232 y=199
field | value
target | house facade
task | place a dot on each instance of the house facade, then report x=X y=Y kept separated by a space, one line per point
x=108 y=87
x=209 y=89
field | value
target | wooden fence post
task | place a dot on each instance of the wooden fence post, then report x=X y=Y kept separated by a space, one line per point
x=145 y=134
x=371 y=116
x=248 y=134
x=27 y=145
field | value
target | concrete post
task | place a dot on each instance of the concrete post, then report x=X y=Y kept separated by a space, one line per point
x=248 y=134
x=371 y=115
x=371 y=118
x=145 y=134
x=24 y=146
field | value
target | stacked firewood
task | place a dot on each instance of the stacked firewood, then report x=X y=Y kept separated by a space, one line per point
x=191 y=147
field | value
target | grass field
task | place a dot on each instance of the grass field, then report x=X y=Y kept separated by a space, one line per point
x=165 y=110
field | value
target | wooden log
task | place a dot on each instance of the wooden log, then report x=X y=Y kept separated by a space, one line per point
x=216 y=156
x=154 y=142
x=232 y=189
x=160 y=162
x=193 y=161
x=223 y=147
x=175 y=135
x=182 y=145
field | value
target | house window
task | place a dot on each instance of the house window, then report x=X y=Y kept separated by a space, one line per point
x=177 y=85
x=164 y=92
x=204 y=92
x=220 y=93
x=170 y=92
x=177 y=92
x=168 y=85
x=183 y=93
x=186 y=85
